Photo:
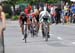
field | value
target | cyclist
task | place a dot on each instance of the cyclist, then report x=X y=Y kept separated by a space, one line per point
x=28 y=11
x=22 y=19
x=36 y=13
x=35 y=17
x=45 y=14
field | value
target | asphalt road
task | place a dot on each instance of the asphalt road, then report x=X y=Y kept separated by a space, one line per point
x=62 y=40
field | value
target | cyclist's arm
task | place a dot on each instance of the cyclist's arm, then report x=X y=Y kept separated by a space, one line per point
x=40 y=18
x=49 y=15
x=49 y=18
x=19 y=19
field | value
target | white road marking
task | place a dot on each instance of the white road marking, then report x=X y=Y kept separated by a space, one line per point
x=59 y=38
x=73 y=42
x=51 y=34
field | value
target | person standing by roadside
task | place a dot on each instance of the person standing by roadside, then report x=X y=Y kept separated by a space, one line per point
x=52 y=12
x=58 y=14
x=66 y=12
x=73 y=13
x=2 y=28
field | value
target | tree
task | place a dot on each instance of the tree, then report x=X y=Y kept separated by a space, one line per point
x=14 y=2
x=45 y=1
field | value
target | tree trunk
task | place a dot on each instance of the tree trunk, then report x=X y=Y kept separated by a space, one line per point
x=13 y=9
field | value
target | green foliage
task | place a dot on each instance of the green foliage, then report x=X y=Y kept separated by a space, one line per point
x=7 y=9
x=33 y=1
x=7 y=15
x=48 y=1
x=16 y=17
x=52 y=1
x=20 y=1
x=16 y=1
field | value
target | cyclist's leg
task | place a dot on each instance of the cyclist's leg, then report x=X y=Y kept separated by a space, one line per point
x=42 y=28
x=28 y=23
x=22 y=27
x=38 y=23
x=38 y=26
x=48 y=30
x=31 y=25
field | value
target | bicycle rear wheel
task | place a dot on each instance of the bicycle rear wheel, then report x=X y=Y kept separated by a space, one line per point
x=25 y=38
x=46 y=31
x=46 y=38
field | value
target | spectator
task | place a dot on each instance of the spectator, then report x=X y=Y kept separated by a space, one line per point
x=2 y=28
x=73 y=12
x=58 y=10
x=52 y=12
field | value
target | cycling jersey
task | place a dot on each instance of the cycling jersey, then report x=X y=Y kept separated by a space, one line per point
x=23 y=17
x=32 y=15
x=44 y=15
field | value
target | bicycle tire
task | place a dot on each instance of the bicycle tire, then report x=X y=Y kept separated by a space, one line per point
x=46 y=38
x=46 y=33
x=25 y=38
x=25 y=34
